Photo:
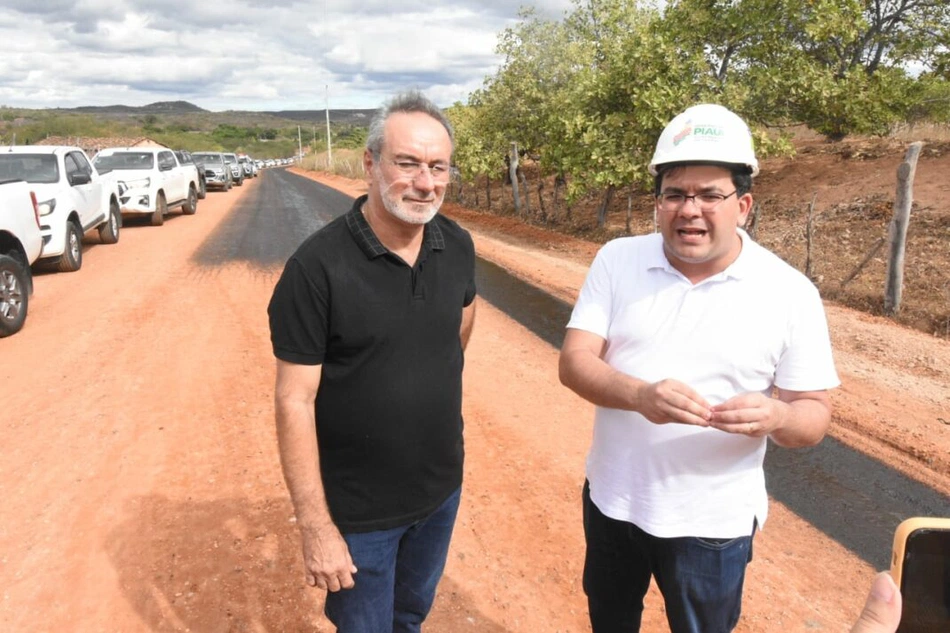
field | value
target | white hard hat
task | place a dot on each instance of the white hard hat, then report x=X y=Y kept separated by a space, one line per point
x=705 y=133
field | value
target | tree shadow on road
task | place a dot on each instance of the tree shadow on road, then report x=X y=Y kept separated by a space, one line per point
x=234 y=565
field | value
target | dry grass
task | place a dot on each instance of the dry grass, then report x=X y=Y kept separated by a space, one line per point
x=346 y=162
x=932 y=132
x=905 y=132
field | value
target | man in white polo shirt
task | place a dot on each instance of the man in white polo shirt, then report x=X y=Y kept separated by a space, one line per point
x=680 y=338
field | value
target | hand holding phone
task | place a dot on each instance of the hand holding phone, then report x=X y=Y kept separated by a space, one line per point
x=920 y=565
x=882 y=610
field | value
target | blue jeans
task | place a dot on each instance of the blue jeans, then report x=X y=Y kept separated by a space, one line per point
x=700 y=579
x=398 y=571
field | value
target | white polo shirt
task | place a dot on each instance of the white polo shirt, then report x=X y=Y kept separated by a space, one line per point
x=758 y=324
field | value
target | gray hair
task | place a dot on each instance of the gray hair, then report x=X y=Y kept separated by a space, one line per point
x=408 y=102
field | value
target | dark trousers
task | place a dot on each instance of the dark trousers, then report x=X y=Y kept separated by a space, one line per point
x=398 y=572
x=700 y=579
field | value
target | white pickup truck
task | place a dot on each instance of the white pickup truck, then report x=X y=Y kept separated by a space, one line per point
x=72 y=199
x=151 y=181
x=20 y=245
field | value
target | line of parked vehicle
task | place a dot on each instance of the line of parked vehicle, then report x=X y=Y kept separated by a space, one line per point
x=50 y=196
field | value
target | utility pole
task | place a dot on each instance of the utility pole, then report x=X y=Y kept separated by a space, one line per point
x=329 y=150
x=299 y=146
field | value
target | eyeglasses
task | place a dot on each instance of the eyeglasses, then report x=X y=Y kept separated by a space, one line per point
x=703 y=201
x=411 y=169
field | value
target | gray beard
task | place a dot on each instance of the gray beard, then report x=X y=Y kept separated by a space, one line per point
x=396 y=209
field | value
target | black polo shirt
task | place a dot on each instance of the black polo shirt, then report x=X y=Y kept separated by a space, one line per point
x=389 y=405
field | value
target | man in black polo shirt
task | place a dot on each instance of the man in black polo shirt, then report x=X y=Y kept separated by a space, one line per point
x=369 y=322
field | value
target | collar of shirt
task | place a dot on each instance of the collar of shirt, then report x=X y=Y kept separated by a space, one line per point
x=368 y=242
x=656 y=259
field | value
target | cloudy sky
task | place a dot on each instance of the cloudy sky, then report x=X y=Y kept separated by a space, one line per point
x=248 y=54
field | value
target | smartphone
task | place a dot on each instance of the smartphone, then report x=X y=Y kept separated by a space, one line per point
x=920 y=565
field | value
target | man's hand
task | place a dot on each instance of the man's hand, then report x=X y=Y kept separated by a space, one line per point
x=327 y=558
x=752 y=414
x=794 y=419
x=672 y=401
x=882 y=611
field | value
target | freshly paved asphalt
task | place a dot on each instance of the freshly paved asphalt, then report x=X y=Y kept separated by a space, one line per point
x=268 y=224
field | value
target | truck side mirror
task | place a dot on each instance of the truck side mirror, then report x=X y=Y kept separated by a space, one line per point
x=79 y=178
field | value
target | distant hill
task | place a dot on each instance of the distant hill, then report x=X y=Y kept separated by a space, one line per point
x=354 y=117
x=359 y=118
x=159 y=107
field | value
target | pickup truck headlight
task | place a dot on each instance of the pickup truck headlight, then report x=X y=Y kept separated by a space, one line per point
x=46 y=207
x=141 y=183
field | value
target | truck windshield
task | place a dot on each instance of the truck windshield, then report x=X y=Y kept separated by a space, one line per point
x=124 y=160
x=35 y=168
x=207 y=158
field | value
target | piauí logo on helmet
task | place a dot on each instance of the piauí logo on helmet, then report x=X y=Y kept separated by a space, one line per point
x=708 y=132
x=702 y=132
x=686 y=131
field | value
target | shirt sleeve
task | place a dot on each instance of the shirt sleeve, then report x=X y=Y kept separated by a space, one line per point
x=470 y=289
x=298 y=313
x=595 y=302
x=807 y=363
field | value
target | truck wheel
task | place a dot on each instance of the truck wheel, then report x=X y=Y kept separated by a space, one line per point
x=161 y=208
x=202 y=189
x=227 y=186
x=14 y=294
x=191 y=204
x=240 y=181
x=109 y=231
x=71 y=259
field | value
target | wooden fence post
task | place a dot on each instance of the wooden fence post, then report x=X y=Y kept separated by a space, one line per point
x=513 y=174
x=630 y=193
x=809 y=231
x=897 y=231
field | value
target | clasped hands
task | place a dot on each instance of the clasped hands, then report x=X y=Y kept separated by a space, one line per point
x=671 y=401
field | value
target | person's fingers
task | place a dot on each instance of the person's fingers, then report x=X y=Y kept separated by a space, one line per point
x=752 y=429
x=346 y=577
x=333 y=583
x=684 y=409
x=882 y=611
x=673 y=390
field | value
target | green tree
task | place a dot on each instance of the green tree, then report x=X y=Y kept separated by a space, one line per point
x=231 y=135
x=840 y=66
x=637 y=79
x=472 y=156
x=588 y=96
x=519 y=103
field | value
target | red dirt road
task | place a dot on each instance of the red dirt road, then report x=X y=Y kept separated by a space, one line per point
x=142 y=489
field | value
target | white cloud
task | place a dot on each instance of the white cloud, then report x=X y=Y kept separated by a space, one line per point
x=247 y=54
